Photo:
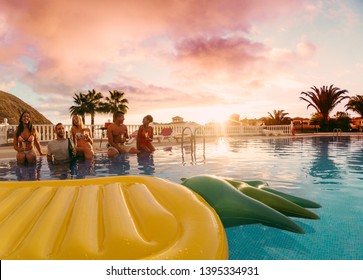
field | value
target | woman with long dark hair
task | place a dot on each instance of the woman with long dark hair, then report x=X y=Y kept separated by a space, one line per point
x=25 y=139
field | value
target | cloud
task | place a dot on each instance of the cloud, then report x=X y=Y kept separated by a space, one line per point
x=7 y=86
x=174 y=53
x=306 y=49
x=71 y=43
x=213 y=54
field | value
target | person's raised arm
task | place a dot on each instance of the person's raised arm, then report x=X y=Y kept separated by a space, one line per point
x=89 y=136
x=127 y=136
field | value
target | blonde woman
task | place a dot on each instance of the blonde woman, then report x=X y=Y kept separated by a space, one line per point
x=25 y=139
x=82 y=138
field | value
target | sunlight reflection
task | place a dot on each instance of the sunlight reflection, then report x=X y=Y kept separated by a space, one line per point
x=222 y=146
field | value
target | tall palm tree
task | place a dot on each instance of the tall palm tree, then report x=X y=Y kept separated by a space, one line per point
x=93 y=100
x=324 y=100
x=116 y=102
x=81 y=107
x=278 y=117
x=355 y=104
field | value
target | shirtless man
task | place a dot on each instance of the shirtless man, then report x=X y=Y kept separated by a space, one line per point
x=117 y=135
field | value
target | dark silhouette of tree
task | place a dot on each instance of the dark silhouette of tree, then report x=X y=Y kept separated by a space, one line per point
x=355 y=104
x=277 y=117
x=324 y=100
x=87 y=104
x=342 y=121
x=93 y=100
x=116 y=102
x=81 y=106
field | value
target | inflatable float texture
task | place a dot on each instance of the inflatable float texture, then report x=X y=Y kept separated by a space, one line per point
x=126 y=217
x=137 y=217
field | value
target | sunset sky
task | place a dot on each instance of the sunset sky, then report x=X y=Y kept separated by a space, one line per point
x=201 y=60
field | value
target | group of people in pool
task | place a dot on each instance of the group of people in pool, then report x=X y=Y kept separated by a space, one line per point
x=80 y=144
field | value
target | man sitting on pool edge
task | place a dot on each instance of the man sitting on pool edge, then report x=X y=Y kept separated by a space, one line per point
x=117 y=135
x=60 y=149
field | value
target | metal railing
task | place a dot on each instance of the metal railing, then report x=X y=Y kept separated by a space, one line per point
x=337 y=132
x=46 y=132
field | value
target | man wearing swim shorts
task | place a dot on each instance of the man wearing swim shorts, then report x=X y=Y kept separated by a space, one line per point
x=117 y=135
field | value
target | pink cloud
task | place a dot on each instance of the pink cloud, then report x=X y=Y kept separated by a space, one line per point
x=220 y=59
x=72 y=43
x=227 y=51
x=306 y=49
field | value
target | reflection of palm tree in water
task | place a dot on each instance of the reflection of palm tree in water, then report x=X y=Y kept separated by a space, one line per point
x=323 y=166
x=146 y=163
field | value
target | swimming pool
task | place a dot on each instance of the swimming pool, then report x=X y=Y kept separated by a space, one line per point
x=327 y=170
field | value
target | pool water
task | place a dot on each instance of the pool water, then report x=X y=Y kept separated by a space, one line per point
x=327 y=170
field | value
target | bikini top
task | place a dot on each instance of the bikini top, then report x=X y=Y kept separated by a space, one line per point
x=29 y=139
x=79 y=135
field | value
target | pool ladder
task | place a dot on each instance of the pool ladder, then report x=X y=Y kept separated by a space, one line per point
x=337 y=132
x=193 y=142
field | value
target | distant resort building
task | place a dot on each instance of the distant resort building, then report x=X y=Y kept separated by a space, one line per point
x=356 y=123
x=304 y=125
x=177 y=119
x=301 y=121
x=174 y=120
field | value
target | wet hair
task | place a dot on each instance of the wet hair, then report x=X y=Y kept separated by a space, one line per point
x=117 y=114
x=149 y=118
x=21 y=125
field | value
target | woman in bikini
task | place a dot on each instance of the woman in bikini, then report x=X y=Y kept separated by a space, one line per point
x=82 y=138
x=25 y=139
x=145 y=135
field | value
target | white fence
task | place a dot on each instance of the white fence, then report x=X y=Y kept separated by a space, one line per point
x=46 y=132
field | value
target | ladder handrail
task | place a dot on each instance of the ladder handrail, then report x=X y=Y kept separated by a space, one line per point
x=337 y=131
x=193 y=142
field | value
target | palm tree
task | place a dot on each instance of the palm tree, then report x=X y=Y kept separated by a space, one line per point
x=355 y=104
x=278 y=117
x=116 y=102
x=93 y=101
x=324 y=100
x=81 y=107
